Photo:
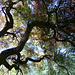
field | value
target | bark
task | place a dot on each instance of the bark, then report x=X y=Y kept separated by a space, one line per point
x=4 y=54
x=16 y=50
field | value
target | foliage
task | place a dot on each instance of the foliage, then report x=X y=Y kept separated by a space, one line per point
x=60 y=48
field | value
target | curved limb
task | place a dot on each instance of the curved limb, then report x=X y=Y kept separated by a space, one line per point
x=33 y=60
x=5 y=14
x=9 y=24
x=63 y=67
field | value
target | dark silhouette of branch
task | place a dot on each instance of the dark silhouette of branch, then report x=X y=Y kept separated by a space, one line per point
x=11 y=34
x=20 y=71
x=16 y=50
x=56 y=7
x=62 y=66
x=20 y=62
x=9 y=23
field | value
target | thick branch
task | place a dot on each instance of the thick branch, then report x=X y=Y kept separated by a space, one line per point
x=8 y=24
x=40 y=24
x=16 y=50
x=24 y=39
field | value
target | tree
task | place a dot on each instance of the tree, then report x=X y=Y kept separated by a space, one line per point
x=55 y=23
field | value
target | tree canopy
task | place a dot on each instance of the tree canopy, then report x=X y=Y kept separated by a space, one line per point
x=48 y=24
